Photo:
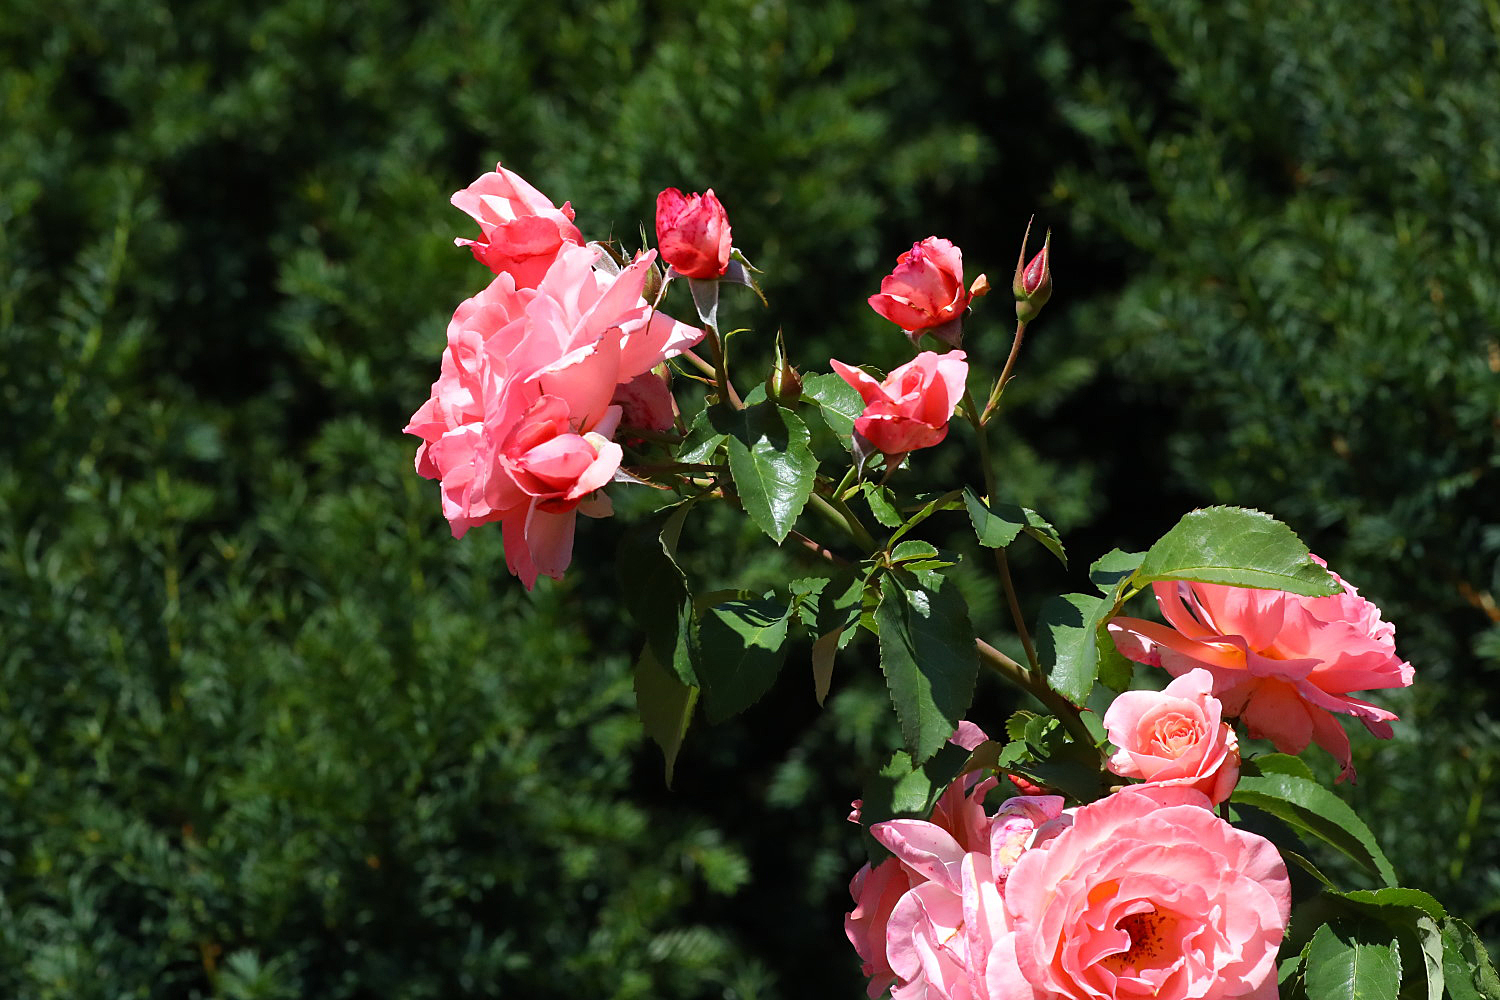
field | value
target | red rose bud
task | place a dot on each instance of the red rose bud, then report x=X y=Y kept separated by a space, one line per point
x=692 y=232
x=1032 y=285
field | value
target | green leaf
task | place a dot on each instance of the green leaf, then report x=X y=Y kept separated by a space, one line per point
x=824 y=650
x=1341 y=966
x=1468 y=973
x=928 y=657
x=1038 y=528
x=906 y=790
x=741 y=647
x=702 y=440
x=995 y=529
x=838 y=402
x=1276 y=763
x=665 y=705
x=1067 y=637
x=1114 y=566
x=772 y=465
x=882 y=504
x=1310 y=808
x=664 y=609
x=1238 y=548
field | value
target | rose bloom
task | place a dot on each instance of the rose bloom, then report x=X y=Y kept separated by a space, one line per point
x=1175 y=737
x=1281 y=662
x=575 y=339
x=910 y=924
x=926 y=921
x=521 y=229
x=1143 y=893
x=693 y=233
x=911 y=408
x=926 y=289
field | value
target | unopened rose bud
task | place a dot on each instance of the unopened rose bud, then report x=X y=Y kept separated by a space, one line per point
x=1032 y=284
x=784 y=384
x=692 y=232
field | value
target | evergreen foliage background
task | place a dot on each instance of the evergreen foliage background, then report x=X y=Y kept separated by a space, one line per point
x=266 y=731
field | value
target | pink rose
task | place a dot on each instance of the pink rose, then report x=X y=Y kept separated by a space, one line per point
x=1143 y=893
x=543 y=471
x=911 y=408
x=925 y=920
x=647 y=402
x=1282 y=663
x=521 y=229
x=1175 y=737
x=576 y=338
x=693 y=233
x=926 y=289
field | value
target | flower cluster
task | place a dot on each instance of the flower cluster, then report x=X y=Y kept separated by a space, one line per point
x=1284 y=664
x=540 y=369
x=1142 y=893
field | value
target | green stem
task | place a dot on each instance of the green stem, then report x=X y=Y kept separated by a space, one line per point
x=1010 y=362
x=1067 y=713
x=838 y=513
x=721 y=369
x=1002 y=565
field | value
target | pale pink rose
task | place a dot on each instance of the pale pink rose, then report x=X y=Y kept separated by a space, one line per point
x=1281 y=662
x=926 y=289
x=925 y=921
x=911 y=408
x=521 y=229
x=1143 y=893
x=693 y=233
x=1175 y=737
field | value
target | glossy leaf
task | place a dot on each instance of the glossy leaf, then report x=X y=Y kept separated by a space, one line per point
x=772 y=465
x=1341 y=966
x=1067 y=641
x=928 y=657
x=1236 y=547
x=741 y=647
x=1114 y=566
x=1310 y=808
x=838 y=402
x=882 y=504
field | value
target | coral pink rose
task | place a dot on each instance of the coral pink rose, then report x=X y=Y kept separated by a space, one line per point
x=1143 y=893
x=911 y=408
x=543 y=470
x=1175 y=737
x=692 y=232
x=926 y=290
x=521 y=229
x=1282 y=663
x=925 y=921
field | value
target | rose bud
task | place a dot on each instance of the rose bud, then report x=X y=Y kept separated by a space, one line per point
x=926 y=293
x=1032 y=284
x=692 y=232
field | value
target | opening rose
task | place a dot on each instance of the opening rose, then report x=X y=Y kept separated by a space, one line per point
x=1175 y=737
x=1281 y=662
x=911 y=408
x=692 y=232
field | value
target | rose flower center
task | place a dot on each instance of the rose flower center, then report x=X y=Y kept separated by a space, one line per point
x=1175 y=734
x=1149 y=935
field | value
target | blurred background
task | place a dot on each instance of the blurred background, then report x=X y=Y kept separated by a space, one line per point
x=267 y=731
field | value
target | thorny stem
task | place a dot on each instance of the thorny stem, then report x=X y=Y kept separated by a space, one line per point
x=1010 y=362
x=818 y=548
x=1065 y=710
x=1002 y=565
